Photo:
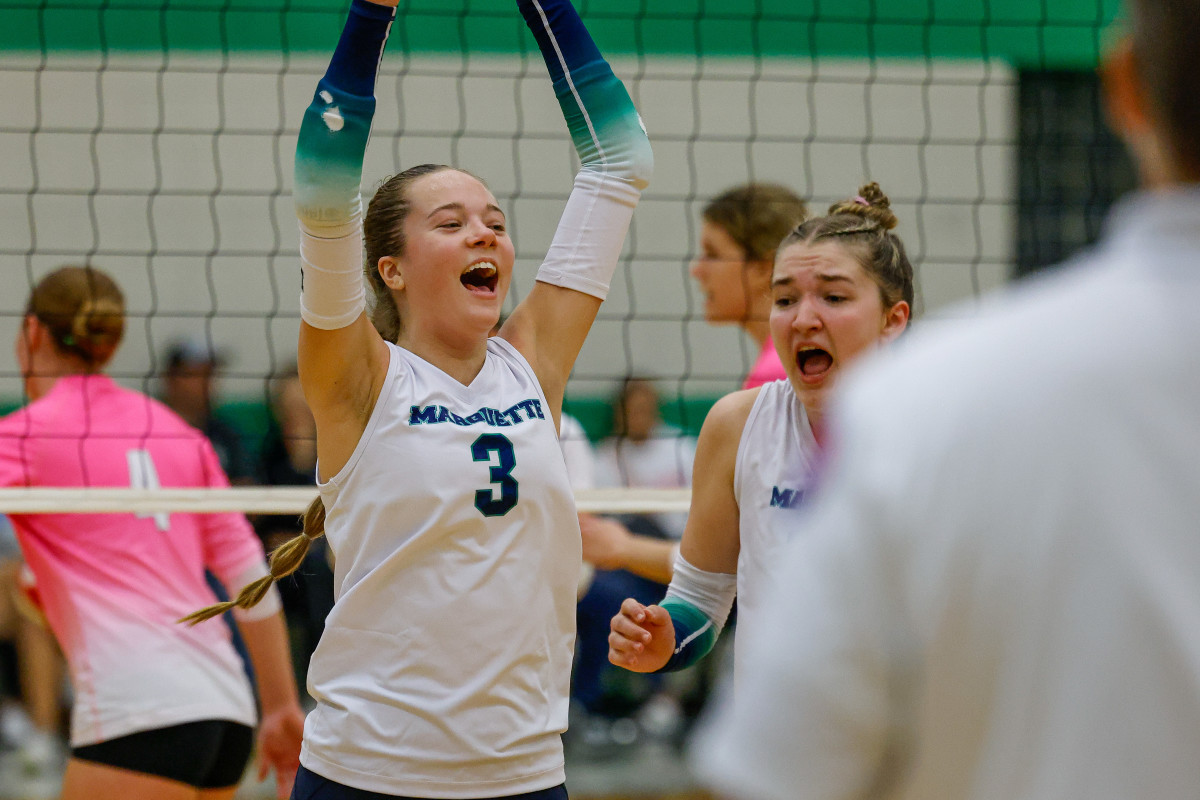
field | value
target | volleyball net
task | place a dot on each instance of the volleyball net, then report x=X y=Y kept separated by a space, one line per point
x=154 y=139
x=282 y=500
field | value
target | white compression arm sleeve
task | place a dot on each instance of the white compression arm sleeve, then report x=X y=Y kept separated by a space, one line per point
x=587 y=244
x=267 y=607
x=712 y=593
x=332 y=294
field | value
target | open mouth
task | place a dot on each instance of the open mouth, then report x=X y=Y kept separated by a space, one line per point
x=481 y=277
x=814 y=363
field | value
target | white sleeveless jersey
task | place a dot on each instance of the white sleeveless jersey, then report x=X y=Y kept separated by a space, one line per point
x=777 y=457
x=444 y=668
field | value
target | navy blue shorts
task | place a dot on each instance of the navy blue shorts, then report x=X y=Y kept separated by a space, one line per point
x=311 y=786
x=210 y=754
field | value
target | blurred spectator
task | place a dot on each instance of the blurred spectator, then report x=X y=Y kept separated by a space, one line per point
x=577 y=452
x=188 y=388
x=290 y=459
x=642 y=452
x=290 y=449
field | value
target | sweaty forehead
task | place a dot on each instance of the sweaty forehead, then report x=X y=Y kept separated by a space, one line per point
x=822 y=262
x=449 y=186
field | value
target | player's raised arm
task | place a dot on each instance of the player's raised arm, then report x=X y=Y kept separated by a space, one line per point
x=342 y=359
x=549 y=327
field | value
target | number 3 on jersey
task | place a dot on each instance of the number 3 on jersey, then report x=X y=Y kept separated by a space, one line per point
x=501 y=474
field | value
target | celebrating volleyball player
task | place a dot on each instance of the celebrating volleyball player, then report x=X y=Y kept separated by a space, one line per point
x=443 y=670
x=740 y=230
x=995 y=592
x=841 y=286
x=160 y=712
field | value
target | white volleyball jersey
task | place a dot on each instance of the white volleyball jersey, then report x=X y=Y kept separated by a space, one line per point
x=776 y=459
x=444 y=668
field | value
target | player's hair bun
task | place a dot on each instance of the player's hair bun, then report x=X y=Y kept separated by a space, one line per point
x=97 y=328
x=84 y=310
x=870 y=203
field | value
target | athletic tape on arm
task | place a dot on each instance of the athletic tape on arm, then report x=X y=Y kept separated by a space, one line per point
x=329 y=158
x=614 y=151
x=699 y=603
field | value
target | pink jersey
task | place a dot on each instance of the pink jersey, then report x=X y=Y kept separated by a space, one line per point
x=767 y=368
x=112 y=585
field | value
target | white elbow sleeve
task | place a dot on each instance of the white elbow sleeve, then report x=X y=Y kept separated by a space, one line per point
x=710 y=592
x=591 y=233
x=269 y=606
x=332 y=294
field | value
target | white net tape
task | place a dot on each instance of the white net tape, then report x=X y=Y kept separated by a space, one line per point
x=279 y=500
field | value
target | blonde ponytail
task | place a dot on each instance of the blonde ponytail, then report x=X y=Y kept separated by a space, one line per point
x=285 y=560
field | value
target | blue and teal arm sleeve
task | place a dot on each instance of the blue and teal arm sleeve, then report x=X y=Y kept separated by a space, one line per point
x=605 y=127
x=695 y=634
x=699 y=603
x=329 y=160
x=613 y=148
x=336 y=126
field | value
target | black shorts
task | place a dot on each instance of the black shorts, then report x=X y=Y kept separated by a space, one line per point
x=311 y=786
x=210 y=754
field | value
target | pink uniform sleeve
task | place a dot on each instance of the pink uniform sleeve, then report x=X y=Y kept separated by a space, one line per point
x=15 y=469
x=230 y=544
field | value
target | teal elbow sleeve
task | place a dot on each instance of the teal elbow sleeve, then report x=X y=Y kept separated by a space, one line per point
x=695 y=634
